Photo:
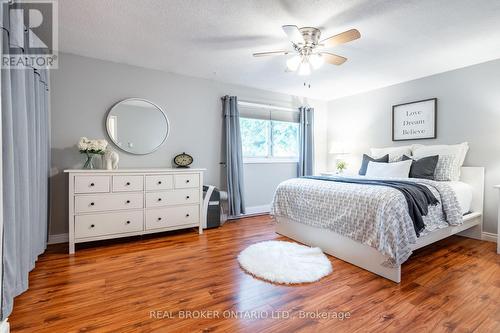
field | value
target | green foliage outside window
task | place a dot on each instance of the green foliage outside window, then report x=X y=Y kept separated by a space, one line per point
x=269 y=138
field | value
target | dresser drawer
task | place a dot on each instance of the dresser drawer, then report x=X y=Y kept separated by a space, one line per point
x=188 y=180
x=159 y=182
x=128 y=183
x=91 y=184
x=172 y=216
x=175 y=197
x=95 y=225
x=104 y=202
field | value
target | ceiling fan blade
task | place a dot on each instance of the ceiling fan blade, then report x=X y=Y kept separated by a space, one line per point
x=341 y=38
x=293 y=33
x=271 y=53
x=333 y=58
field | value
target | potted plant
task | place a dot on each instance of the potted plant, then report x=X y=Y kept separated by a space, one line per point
x=341 y=166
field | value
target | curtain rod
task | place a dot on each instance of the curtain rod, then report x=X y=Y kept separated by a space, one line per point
x=267 y=106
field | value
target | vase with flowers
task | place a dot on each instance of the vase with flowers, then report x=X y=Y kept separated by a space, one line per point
x=341 y=166
x=91 y=147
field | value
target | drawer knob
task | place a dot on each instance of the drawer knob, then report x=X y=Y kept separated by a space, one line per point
x=159 y=219
x=91 y=203
x=92 y=184
x=128 y=183
x=187 y=180
x=128 y=201
x=187 y=196
x=92 y=225
x=187 y=215
x=159 y=182
x=159 y=199
x=128 y=222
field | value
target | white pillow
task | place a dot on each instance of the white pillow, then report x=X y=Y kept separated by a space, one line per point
x=389 y=170
x=395 y=153
x=451 y=159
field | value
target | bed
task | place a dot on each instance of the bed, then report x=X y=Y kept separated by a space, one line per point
x=382 y=249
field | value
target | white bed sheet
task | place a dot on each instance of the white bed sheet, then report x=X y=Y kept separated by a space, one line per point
x=464 y=194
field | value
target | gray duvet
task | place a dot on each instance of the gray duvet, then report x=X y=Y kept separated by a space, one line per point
x=376 y=216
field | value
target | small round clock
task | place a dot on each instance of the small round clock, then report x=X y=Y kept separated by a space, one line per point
x=183 y=160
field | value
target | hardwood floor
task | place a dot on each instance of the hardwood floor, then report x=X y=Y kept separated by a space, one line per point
x=148 y=284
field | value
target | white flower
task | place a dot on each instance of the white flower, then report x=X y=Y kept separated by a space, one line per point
x=94 y=145
x=102 y=144
x=83 y=143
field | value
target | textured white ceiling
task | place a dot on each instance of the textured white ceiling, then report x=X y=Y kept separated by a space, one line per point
x=401 y=40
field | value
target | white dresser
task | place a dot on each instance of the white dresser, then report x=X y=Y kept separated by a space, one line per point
x=106 y=204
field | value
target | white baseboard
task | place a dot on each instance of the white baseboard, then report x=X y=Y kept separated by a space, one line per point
x=263 y=209
x=489 y=236
x=5 y=326
x=57 y=239
x=253 y=211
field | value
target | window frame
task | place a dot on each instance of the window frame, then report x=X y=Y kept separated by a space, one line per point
x=270 y=158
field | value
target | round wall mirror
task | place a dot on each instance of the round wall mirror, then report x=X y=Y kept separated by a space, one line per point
x=137 y=126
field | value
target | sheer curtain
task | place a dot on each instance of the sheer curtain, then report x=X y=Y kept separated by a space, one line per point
x=234 y=156
x=25 y=168
x=306 y=141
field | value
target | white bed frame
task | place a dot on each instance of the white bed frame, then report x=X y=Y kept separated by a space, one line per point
x=369 y=258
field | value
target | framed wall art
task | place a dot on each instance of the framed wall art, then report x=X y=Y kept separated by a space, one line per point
x=414 y=120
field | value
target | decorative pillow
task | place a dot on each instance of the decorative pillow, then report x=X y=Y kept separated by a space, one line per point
x=366 y=159
x=447 y=168
x=424 y=167
x=389 y=170
x=451 y=159
x=395 y=153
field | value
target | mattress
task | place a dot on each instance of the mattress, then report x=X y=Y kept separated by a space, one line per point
x=463 y=191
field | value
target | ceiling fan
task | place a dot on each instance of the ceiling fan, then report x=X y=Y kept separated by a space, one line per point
x=308 y=48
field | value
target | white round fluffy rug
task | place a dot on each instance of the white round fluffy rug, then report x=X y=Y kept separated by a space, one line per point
x=285 y=262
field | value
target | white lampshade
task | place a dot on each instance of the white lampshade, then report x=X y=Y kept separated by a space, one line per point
x=305 y=68
x=316 y=60
x=293 y=63
x=338 y=148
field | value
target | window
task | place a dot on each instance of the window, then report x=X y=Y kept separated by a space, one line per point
x=255 y=137
x=285 y=139
x=269 y=136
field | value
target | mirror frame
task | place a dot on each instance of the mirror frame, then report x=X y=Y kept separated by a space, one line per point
x=142 y=100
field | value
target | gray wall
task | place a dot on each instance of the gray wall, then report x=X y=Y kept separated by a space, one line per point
x=262 y=176
x=83 y=89
x=468 y=110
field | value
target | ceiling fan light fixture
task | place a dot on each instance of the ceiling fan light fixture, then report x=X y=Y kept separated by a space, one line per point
x=316 y=60
x=293 y=63
x=305 y=68
x=307 y=49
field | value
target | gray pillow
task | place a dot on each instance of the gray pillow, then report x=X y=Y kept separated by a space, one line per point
x=366 y=159
x=424 y=167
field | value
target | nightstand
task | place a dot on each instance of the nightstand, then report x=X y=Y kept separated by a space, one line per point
x=498 y=224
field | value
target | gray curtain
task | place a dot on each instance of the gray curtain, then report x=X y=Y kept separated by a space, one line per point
x=306 y=142
x=25 y=170
x=234 y=156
